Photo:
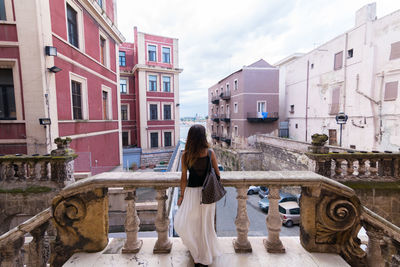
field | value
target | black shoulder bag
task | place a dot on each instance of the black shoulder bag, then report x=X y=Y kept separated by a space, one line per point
x=212 y=188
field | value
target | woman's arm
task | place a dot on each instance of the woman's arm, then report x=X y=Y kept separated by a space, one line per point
x=214 y=163
x=183 y=180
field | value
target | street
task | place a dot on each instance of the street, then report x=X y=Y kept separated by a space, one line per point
x=226 y=217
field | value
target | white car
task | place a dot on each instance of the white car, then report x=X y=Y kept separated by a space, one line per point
x=253 y=190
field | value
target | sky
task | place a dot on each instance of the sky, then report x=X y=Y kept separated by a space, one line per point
x=218 y=37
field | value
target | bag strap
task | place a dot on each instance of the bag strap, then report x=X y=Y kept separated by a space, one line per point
x=209 y=161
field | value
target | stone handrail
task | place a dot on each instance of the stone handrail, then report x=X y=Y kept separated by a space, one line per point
x=356 y=165
x=331 y=216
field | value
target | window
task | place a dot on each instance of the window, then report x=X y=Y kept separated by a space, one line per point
x=153 y=112
x=395 y=51
x=152 y=83
x=122 y=59
x=312 y=65
x=105 y=105
x=152 y=52
x=236 y=131
x=235 y=85
x=227 y=110
x=76 y=100
x=227 y=88
x=294 y=211
x=2 y=10
x=167 y=139
x=167 y=112
x=125 y=138
x=222 y=109
x=123 y=86
x=7 y=98
x=261 y=106
x=338 y=61
x=102 y=50
x=235 y=107
x=391 y=91
x=153 y=140
x=72 y=26
x=291 y=109
x=100 y=2
x=334 y=108
x=166 y=55
x=166 y=84
x=350 y=53
x=124 y=112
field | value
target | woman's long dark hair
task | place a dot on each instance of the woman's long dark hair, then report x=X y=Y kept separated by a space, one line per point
x=196 y=142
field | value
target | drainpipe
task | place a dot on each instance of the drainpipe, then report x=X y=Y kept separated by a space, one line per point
x=307 y=85
x=380 y=107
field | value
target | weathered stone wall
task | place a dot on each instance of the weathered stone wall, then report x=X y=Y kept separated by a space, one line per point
x=154 y=158
x=239 y=160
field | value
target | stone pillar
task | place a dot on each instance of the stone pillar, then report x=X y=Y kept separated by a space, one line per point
x=11 y=255
x=132 y=222
x=38 y=255
x=62 y=163
x=374 y=253
x=242 y=244
x=163 y=244
x=274 y=223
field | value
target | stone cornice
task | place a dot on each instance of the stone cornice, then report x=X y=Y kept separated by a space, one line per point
x=159 y=69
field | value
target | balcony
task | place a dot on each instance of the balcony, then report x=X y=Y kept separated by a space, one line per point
x=262 y=116
x=226 y=95
x=226 y=117
x=227 y=139
x=331 y=217
x=215 y=136
x=215 y=117
x=215 y=100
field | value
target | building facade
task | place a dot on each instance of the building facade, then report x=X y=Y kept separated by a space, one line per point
x=150 y=92
x=244 y=103
x=74 y=90
x=356 y=73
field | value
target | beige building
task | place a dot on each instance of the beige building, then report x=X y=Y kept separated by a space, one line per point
x=357 y=73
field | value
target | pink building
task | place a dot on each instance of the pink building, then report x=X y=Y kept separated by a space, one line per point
x=244 y=103
x=76 y=88
x=149 y=87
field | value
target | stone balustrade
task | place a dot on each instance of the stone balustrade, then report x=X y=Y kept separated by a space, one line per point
x=357 y=166
x=331 y=217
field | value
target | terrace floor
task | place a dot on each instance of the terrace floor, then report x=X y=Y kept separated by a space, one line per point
x=295 y=255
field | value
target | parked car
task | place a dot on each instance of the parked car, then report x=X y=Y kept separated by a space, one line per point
x=285 y=197
x=290 y=213
x=220 y=167
x=263 y=192
x=253 y=190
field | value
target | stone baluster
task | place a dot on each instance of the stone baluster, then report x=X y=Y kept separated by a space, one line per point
x=338 y=167
x=38 y=256
x=163 y=244
x=20 y=172
x=396 y=167
x=373 y=167
x=274 y=223
x=9 y=171
x=386 y=167
x=2 y=171
x=362 y=169
x=132 y=222
x=374 y=252
x=242 y=244
x=11 y=255
x=350 y=166
x=44 y=172
x=30 y=170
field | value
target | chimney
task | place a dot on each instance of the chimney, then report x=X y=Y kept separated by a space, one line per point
x=365 y=14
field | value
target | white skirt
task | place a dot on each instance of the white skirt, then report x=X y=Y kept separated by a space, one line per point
x=194 y=223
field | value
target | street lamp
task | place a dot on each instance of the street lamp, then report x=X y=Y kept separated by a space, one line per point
x=341 y=119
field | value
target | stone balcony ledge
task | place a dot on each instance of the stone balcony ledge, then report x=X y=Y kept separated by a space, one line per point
x=295 y=255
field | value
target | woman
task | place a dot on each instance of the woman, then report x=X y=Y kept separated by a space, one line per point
x=194 y=222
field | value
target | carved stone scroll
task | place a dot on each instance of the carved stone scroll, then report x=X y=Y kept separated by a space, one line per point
x=242 y=244
x=273 y=244
x=163 y=244
x=82 y=224
x=132 y=222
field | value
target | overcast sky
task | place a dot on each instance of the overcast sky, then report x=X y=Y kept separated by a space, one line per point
x=218 y=37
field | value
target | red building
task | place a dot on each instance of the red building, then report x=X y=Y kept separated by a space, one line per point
x=77 y=89
x=149 y=86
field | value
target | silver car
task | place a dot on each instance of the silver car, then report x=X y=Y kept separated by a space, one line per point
x=290 y=213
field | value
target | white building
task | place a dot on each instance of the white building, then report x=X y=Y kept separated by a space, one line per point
x=357 y=73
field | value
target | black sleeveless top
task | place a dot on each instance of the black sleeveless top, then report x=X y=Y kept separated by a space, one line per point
x=198 y=172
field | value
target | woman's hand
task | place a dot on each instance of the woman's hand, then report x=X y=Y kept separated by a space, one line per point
x=180 y=200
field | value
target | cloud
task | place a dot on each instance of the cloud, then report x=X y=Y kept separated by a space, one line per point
x=218 y=37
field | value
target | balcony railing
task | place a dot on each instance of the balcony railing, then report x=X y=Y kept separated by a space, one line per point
x=215 y=99
x=215 y=136
x=262 y=116
x=225 y=117
x=226 y=95
x=215 y=117
x=331 y=217
x=226 y=138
